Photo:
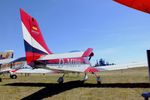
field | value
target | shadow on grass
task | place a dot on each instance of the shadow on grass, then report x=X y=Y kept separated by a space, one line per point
x=54 y=88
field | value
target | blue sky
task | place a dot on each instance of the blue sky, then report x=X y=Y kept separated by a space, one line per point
x=116 y=33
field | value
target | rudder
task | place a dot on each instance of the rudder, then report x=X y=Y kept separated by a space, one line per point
x=34 y=42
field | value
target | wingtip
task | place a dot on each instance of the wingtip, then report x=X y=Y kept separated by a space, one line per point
x=21 y=11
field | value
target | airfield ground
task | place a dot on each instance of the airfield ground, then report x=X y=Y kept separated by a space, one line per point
x=116 y=85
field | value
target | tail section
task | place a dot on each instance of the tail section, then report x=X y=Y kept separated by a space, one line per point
x=34 y=42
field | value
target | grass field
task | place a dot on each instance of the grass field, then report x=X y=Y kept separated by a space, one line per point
x=116 y=85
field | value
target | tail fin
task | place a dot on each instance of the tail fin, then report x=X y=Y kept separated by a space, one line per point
x=35 y=45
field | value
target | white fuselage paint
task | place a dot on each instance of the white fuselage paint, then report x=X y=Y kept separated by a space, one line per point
x=61 y=56
x=72 y=64
x=29 y=39
x=68 y=67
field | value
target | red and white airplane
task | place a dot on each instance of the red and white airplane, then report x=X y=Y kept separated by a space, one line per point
x=39 y=59
x=38 y=54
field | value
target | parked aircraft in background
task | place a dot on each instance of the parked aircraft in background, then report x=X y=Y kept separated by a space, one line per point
x=19 y=66
x=6 y=56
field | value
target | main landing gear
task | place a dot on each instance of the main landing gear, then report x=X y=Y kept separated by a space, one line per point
x=61 y=79
x=98 y=79
x=85 y=78
x=13 y=76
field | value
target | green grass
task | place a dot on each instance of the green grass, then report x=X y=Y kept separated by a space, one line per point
x=116 y=85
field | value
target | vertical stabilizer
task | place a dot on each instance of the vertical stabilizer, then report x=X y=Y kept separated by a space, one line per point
x=34 y=42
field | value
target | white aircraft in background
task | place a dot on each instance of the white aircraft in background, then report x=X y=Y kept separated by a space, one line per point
x=5 y=57
x=19 y=65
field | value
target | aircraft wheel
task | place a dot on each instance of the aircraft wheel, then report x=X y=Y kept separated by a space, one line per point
x=60 y=80
x=98 y=79
x=13 y=76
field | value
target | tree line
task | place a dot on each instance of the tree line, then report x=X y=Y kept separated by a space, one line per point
x=102 y=62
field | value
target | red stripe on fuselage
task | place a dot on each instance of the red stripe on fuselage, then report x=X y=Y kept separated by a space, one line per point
x=79 y=60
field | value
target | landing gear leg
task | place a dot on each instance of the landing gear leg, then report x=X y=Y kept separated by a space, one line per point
x=13 y=76
x=98 y=79
x=61 y=79
x=85 y=78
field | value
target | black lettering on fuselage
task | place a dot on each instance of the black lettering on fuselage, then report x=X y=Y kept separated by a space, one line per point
x=69 y=62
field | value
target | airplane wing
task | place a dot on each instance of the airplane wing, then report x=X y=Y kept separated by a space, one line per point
x=121 y=66
x=6 y=70
x=87 y=53
x=3 y=72
x=60 y=56
x=141 y=5
x=36 y=71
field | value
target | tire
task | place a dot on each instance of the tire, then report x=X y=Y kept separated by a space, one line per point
x=60 y=80
x=13 y=76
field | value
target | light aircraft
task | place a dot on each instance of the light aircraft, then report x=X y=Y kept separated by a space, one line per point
x=39 y=59
x=14 y=66
x=38 y=54
x=5 y=58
